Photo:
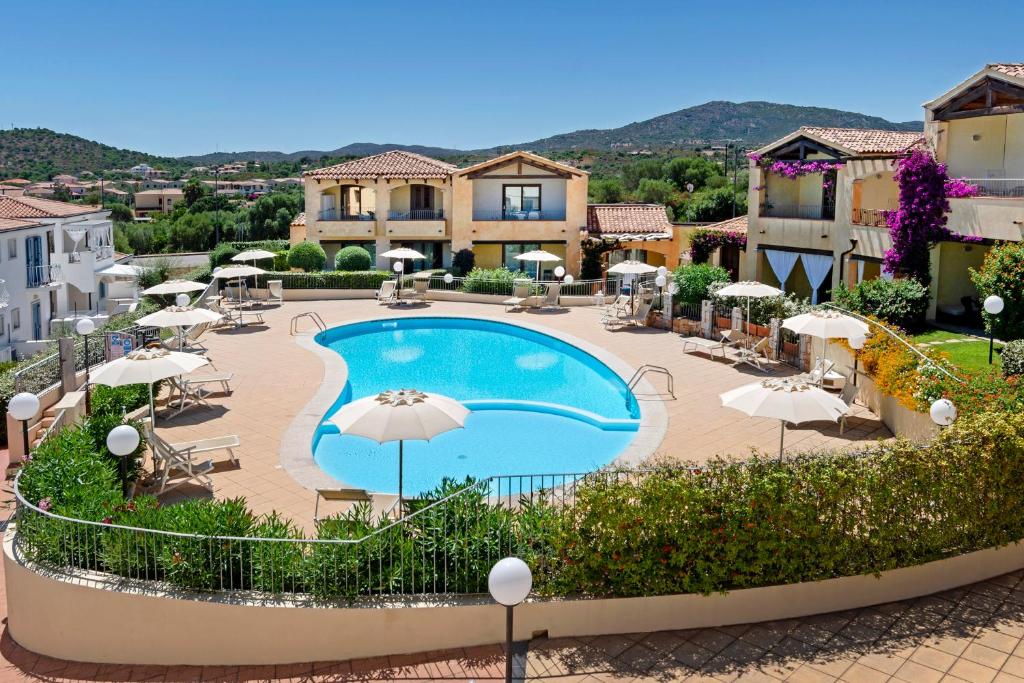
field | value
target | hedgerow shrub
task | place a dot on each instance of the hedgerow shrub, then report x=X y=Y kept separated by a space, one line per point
x=222 y=254
x=281 y=260
x=901 y=302
x=327 y=279
x=1013 y=358
x=308 y=256
x=694 y=280
x=762 y=309
x=265 y=245
x=491 y=280
x=1001 y=274
x=352 y=258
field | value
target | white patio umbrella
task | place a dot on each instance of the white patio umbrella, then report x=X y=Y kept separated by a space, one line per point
x=787 y=400
x=539 y=256
x=253 y=255
x=827 y=324
x=238 y=273
x=175 y=287
x=146 y=366
x=121 y=270
x=751 y=290
x=632 y=268
x=402 y=253
x=179 y=317
x=400 y=415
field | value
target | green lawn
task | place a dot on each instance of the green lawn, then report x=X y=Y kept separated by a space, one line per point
x=971 y=355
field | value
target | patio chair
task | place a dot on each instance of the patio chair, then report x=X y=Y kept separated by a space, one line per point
x=199 y=381
x=824 y=375
x=175 y=467
x=214 y=304
x=419 y=290
x=187 y=396
x=547 y=300
x=520 y=293
x=275 y=291
x=848 y=396
x=387 y=293
x=728 y=340
x=617 y=309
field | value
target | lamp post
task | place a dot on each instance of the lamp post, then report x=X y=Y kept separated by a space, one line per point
x=993 y=306
x=398 y=268
x=943 y=412
x=509 y=583
x=559 y=273
x=23 y=407
x=856 y=343
x=85 y=327
x=122 y=442
x=448 y=278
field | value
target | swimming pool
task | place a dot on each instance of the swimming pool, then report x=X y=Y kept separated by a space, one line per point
x=539 y=405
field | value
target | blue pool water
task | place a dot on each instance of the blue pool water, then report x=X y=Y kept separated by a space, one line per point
x=539 y=405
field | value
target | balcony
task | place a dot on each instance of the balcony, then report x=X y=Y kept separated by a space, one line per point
x=43 y=276
x=335 y=215
x=417 y=215
x=875 y=218
x=1012 y=188
x=814 y=212
x=510 y=215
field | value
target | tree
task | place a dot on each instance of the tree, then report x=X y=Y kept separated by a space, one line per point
x=463 y=261
x=193 y=192
x=696 y=170
x=61 y=192
x=120 y=213
x=637 y=171
x=655 y=191
x=710 y=206
x=694 y=279
x=271 y=214
x=606 y=191
x=92 y=197
x=1000 y=274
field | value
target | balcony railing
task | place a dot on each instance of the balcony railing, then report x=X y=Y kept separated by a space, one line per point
x=509 y=215
x=104 y=252
x=816 y=212
x=872 y=217
x=335 y=215
x=417 y=215
x=41 y=276
x=997 y=187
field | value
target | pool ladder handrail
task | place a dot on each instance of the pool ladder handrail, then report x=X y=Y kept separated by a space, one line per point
x=644 y=369
x=293 y=327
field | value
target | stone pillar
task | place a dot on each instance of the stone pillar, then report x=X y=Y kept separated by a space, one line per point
x=737 y=318
x=66 y=354
x=666 y=308
x=707 y=314
x=775 y=336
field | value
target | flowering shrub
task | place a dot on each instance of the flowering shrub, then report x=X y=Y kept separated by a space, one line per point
x=920 y=220
x=1013 y=358
x=1002 y=273
x=704 y=242
x=958 y=187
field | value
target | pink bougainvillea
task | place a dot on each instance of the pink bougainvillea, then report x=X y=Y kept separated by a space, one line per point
x=957 y=188
x=704 y=242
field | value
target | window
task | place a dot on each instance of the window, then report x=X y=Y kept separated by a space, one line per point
x=15 y=318
x=12 y=248
x=509 y=253
x=3 y=326
x=520 y=199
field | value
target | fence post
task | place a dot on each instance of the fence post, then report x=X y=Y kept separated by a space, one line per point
x=805 y=353
x=775 y=336
x=68 y=378
x=666 y=309
x=737 y=318
x=707 y=313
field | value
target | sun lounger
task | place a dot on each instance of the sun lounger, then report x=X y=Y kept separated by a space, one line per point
x=708 y=346
x=200 y=381
x=344 y=495
x=547 y=300
x=419 y=291
x=275 y=291
x=187 y=396
x=520 y=293
x=175 y=461
x=387 y=293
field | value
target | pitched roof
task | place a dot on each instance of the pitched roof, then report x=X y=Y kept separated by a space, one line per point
x=17 y=181
x=393 y=164
x=627 y=219
x=738 y=224
x=35 y=207
x=867 y=140
x=1014 y=70
x=300 y=219
x=539 y=161
x=16 y=223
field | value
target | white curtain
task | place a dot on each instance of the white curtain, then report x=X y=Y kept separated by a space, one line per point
x=860 y=271
x=816 y=266
x=782 y=263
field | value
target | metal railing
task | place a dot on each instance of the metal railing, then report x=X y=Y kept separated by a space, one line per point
x=42 y=276
x=997 y=187
x=658 y=369
x=103 y=252
x=609 y=288
x=818 y=212
x=510 y=215
x=293 y=327
x=45 y=373
x=441 y=546
x=335 y=215
x=870 y=217
x=417 y=215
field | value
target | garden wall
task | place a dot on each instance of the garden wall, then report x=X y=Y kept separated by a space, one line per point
x=94 y=618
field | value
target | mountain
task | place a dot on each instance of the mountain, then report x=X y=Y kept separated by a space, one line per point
x=750 y=123
x=38 y=153
x=356 y=149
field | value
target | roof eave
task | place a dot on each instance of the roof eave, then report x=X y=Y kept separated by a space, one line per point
x=987 y=72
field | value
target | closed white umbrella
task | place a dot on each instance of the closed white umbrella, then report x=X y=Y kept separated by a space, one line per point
x=400 y=415
x=539 y=256
x=146 y=366
x=175 y=287
x=788 y=400
x=751 y=290
x=180 y=317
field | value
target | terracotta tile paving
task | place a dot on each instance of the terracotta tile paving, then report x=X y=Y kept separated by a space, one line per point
x=969 y=634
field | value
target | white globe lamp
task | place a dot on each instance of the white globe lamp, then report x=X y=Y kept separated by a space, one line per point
x=182 y=300
x=662 y=271
x=398 y=267
x=559 y=271
x=122 y=441
x=993 y=306
x=23 y=407
x=448 y=278
x=660 y=281
x=85 y=327
x=569 y=279
x=509 y=583
x=943 y=412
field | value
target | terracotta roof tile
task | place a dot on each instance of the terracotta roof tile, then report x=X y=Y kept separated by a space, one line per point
x=738 y=224
x=393 y=164
x=34 y=207
x=16 y=223
x=1013 y=70
x=633 y=219
x=868 y=140
x=300 y=219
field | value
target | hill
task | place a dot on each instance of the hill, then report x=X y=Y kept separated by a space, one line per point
x=749 y=123
x=38 y=153
x=356 y=149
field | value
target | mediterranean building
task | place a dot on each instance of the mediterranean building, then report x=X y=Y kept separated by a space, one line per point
x=52 y=255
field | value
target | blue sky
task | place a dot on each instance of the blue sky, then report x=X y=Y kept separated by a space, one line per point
x=189 y=77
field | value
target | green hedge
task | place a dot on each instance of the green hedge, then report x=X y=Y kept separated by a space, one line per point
x=719 y=526
x=265 y=245
x=333 y=279
x=902 y=302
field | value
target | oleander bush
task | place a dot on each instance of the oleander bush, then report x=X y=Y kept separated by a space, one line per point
x=308 y=256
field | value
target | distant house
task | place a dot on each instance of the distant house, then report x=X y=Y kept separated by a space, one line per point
x=155 y=201
x=142 y=170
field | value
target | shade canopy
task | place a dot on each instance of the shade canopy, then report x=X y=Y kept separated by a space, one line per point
x=145 y=366
x=175 y=287
x=179 y=316
x=632 y=268
x=253 y=255
x=404 y=414
x=403 y=253
x=749 y=289
x=827 y=325
x=792 y=400
x=539 y=255
x=236 y=272
x=120 y=270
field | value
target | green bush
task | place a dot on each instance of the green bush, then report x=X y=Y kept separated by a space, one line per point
x=463 y=262
x=902 y=302
x=762 y=309
x=308 y=256
x=199 y=274
x=1013 y=358
x=333 y=279
x=492 y=281
x=1000 y=274
x=265 y=245
x=694 y=280
x=353 y=258
x=222 y=254
x=281 y=260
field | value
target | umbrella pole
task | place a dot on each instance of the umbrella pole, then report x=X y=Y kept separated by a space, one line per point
x=782 y=438
x=152 y=408
x=400 y=458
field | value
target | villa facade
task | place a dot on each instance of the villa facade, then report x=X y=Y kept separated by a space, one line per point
x=498 y=209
